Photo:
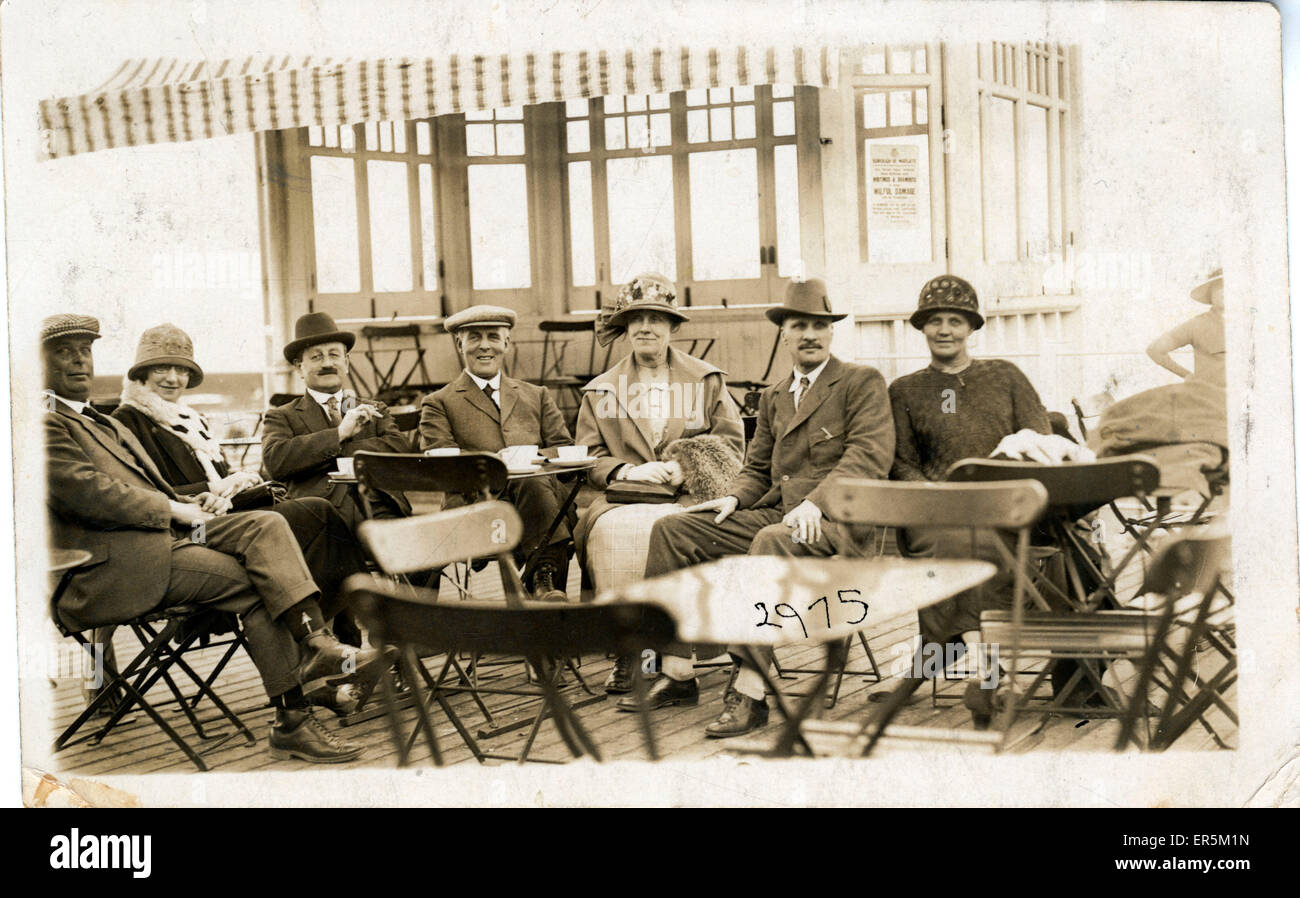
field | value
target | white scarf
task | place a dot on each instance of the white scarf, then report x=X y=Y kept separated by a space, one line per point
x=180 y=421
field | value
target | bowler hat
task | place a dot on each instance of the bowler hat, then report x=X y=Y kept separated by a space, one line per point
x=947 y=293
x=165 y=344
x=807 y=298
x=312 y=329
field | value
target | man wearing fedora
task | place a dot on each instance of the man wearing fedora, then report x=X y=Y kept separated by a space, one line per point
x=485 y=411
x=150 y=547
x=302 y=440
x=827 y=419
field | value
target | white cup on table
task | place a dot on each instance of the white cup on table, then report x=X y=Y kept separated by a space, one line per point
x=345 y=467
x=519 y=456
x=571 y=453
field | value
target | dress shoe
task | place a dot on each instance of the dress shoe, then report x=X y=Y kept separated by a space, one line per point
x=619 y=681
x=544 y=589
x=342 y=700
x=740 y=715
x=328 y=662
x=298 y=734
x=666 y=691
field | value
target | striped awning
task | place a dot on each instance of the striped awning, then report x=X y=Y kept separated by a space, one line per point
x=167 y=100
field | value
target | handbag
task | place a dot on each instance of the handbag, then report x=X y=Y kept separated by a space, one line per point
x=627 y=492
x=264 y=495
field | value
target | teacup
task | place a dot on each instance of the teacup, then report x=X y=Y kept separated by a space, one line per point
x=571 y=453
x=519 y=456
x=345 y=467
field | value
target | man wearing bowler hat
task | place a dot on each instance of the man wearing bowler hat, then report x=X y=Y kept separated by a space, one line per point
x=302 y=440
x=827 y=419
x=485 y=411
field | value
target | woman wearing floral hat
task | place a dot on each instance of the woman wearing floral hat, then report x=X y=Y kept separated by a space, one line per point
x=659 y=421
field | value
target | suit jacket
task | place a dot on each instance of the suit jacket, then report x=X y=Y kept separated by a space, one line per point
x=844 y=428
x=461 y=415
x=610 y=424
x=106 y=496
x=299 y=446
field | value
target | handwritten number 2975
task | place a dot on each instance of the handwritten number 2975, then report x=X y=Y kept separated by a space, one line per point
x=788 y=611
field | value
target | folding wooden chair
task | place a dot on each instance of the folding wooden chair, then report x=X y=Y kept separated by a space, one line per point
x=411 y=620
x=1190 y=576
x=1074 y=490
x=190 y=628
x=1007 y=506
x=475 y=476
x=397 y=345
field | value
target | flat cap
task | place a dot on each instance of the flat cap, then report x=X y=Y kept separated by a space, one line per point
x=65 y=325
x=482 y=316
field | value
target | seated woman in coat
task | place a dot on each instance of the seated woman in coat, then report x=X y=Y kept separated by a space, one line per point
x=659 y=416
x=180 y=443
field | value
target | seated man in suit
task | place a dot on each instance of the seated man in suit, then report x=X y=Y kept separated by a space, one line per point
x=828 y=419
x=485 y=411
x=150 y=547
x=301 y=440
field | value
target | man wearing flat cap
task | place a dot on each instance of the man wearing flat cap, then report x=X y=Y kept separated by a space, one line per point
x=150 y=547
x=827 y=419
x=302 y=440
x=485 y=411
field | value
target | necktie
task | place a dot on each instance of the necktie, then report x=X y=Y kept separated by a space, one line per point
x=491 y=394
x=804 y=386
x=99 y=419
x=333 y=408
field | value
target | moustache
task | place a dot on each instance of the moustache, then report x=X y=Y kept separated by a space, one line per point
x=328 y=371
x=810 y=346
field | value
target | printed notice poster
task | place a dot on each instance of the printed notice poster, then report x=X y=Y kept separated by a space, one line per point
x=894 y=176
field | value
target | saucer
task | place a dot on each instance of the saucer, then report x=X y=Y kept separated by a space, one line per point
x=570 y=462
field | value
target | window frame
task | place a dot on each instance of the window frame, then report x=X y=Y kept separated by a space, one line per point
x=860 y=83
x=382 y=304
x=1003 y=71
x=764 y=289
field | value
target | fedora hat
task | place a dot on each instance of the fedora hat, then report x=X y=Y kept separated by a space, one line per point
x=947 y=293
x=165 y=344
x=1201 y=292
x=806 y=298
x=314 y=328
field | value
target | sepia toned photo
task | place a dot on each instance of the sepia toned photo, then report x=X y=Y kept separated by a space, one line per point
x=619 y=404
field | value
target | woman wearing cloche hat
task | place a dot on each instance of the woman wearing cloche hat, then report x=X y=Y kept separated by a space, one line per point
x=960 y=407
x=183 y=446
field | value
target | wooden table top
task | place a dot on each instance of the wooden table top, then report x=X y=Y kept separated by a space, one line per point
x=773 y=600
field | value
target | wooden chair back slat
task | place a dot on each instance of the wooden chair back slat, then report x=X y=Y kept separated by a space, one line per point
x=411 y=617
x=469 y=474
x=1071 y=485
x=425 y=542
x=1012 y=505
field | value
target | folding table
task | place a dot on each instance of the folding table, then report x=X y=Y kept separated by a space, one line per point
x=750 y=601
